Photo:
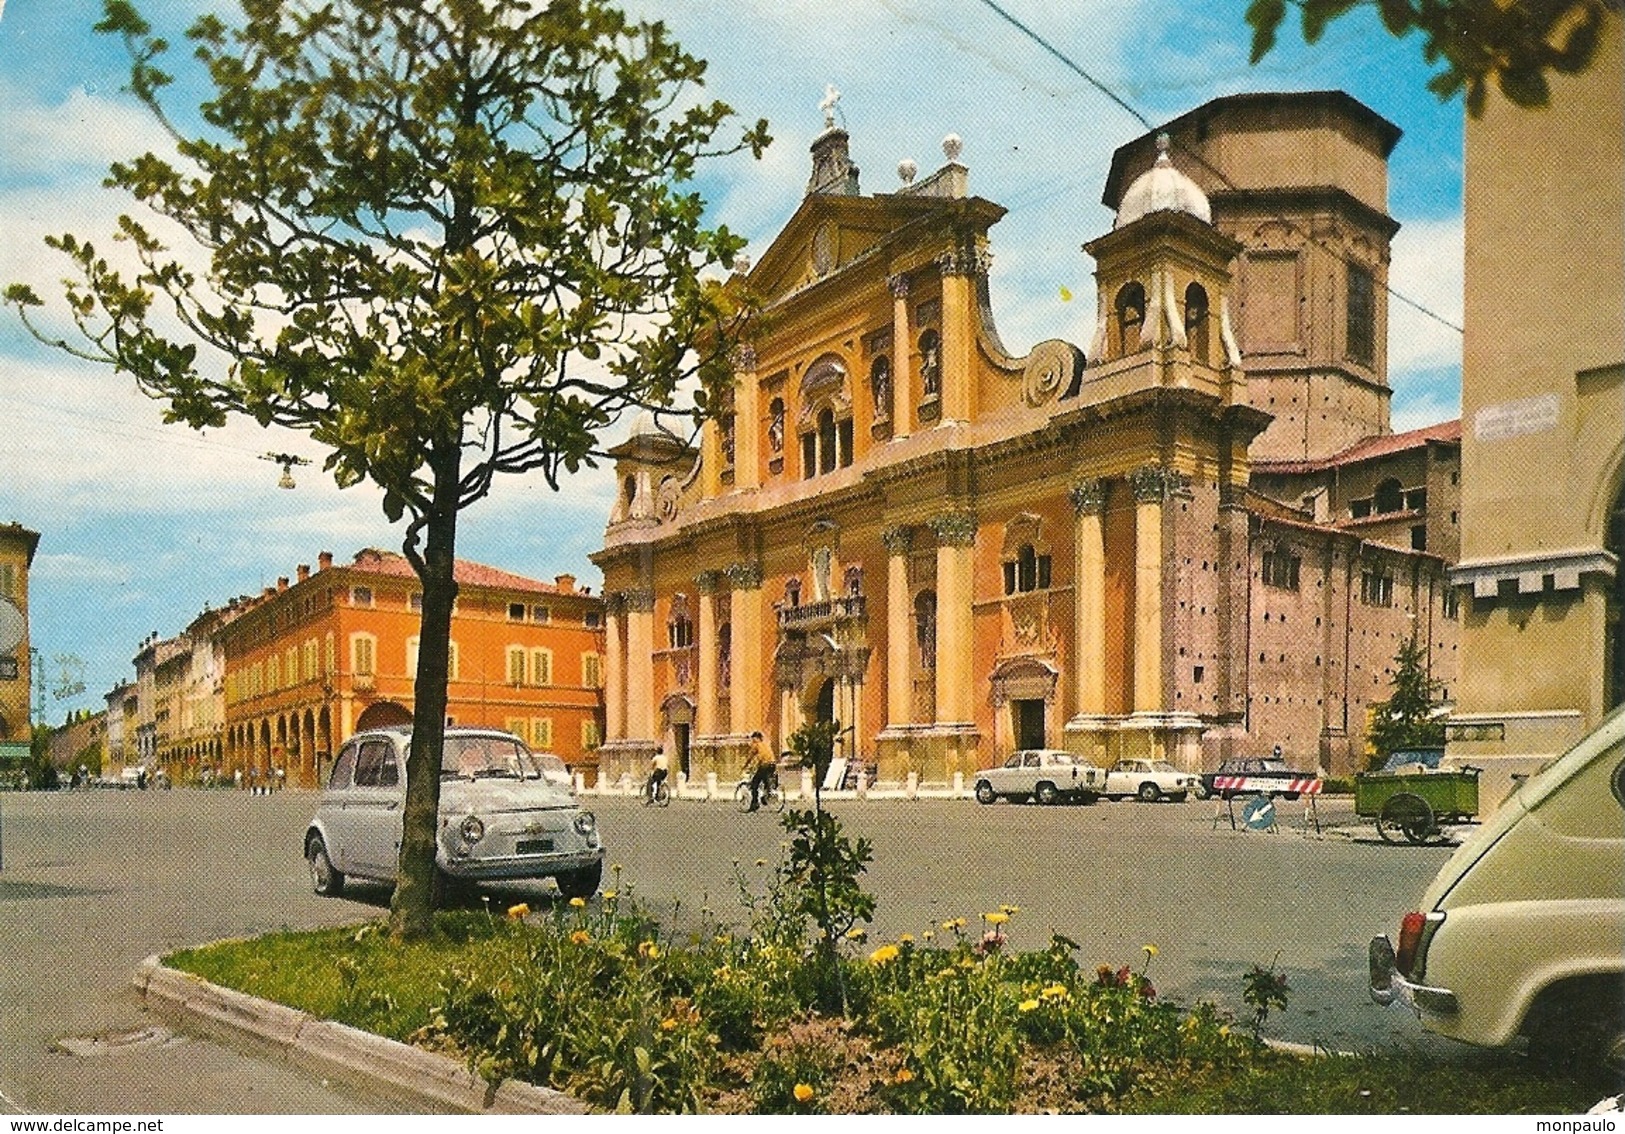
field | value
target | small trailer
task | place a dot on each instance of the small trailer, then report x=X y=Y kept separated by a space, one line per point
x=1411 y=796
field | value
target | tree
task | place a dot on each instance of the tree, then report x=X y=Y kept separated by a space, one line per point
x=1515 y=44
x=448 y=240
x=1407 y=719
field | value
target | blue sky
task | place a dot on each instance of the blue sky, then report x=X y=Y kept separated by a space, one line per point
x=143 y=524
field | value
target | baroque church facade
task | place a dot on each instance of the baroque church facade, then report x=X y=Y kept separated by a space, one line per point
x=1194 y=537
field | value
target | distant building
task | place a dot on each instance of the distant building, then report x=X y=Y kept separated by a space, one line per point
x=312 y=660
x=81 y=740
x=1183 y=542
x=17 y=545
x=118 y=740
x=1543 y=413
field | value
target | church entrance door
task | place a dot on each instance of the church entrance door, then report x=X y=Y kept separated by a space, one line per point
x=1029 y=723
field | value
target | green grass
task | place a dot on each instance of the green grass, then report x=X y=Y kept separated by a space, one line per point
x=358 y=976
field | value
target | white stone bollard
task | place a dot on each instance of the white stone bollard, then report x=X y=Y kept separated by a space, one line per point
x=913 y=789
x=581 y=783
x=959 y=784
x=710 y=785
x=682 y=785
x=806 y=785
x=862 y=786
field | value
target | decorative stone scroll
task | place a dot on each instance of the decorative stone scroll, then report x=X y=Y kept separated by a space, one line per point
x=1088 y=497
x=1049 y=371
x=745 y=576
x=897 y=540
x=954 y=529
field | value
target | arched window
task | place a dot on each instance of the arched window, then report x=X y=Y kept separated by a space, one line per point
x=880 y=387
x=925 y=628
x=1130 y=309
x=630 y=489
x=725 y=655
x=930 y=365
x=826 y=441
x=1390 y=496
x=792 y=592
x=1196 y=322
x=680 y=628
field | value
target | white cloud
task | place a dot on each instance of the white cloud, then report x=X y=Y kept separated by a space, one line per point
x=1427 y=268
x=83 y=132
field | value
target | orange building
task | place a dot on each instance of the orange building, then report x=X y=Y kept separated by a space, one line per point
x=310 y=662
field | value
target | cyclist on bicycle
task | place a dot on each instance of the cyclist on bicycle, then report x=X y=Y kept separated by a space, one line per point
x=659 y=765
x=766 y=768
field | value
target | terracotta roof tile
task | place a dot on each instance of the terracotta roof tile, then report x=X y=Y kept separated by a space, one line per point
x=1370 y=448
x=373 y=561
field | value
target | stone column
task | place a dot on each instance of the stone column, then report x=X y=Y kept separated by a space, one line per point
x=1150 y=484
x=640 y=605
x=902 y=374
x=745 y=613
x=899 y=621
x=705 y=681
x=614 y=668
x=956 y=539
x=959 y=316
x=1089 y=598
x=748 y=424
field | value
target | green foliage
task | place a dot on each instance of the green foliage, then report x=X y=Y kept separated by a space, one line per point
x=813 y=745
x=1515 y=44
x=1406 y=719
x=446 y=241
x=818 y=882
x=1264 y=988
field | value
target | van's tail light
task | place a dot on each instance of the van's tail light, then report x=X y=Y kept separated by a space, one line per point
x=1410 y=937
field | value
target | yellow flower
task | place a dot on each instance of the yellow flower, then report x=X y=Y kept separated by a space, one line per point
x=1053 y=990
x=856 y=933
x=580 y=937
x=1010 y=909
x=1150 y=950
x=904 y=1075
x=1027 y=1005
x=928 y=935
x=906 y=939
x=883 y=954
x=668 y=1024
x=722 y=939
x=803 y=1092
x=578 y=903
x=761 y=862
x=518 y=911
x=995 y=918
x=966 y=963
x=648 y=949
x=609 y=895
x=1224 y=1030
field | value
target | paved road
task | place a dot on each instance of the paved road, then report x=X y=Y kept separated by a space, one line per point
x=92 y=882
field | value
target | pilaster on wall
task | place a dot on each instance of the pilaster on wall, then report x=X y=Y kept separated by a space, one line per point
x=747 y=420
x=746 y=612
x=614 y=669
x=1151 y=485
x=639 y=605
x=902 y=385
x=1089 y=597
x=705 y=681
x=956 y=539
x=959 y=270
x=899 y=641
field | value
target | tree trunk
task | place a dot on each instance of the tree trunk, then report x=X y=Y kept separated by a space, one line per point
x=411 y=911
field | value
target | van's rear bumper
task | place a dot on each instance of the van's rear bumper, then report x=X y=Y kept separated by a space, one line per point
x=1388 y=984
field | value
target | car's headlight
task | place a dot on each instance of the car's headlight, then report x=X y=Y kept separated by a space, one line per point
x=473 y=829
x=585 y=823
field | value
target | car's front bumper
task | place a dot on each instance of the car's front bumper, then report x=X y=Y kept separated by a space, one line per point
x=1388 y=984
x=516 y=868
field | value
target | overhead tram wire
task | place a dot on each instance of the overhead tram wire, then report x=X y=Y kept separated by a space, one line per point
x=1134 y=112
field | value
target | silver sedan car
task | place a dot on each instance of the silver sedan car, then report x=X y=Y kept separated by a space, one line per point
x=502 y=818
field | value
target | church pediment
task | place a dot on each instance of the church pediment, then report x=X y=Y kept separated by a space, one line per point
x=828 y=233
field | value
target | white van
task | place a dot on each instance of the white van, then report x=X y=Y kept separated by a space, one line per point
x=1523 y=931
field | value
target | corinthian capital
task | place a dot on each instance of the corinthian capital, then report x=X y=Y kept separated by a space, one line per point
x=745 y=576
x=897 y=540
x=1152 y=484
x=744 y=357
x=898 y=285
x=639 y=600
x=1088 y=497
x=965 y=262
x=954 y=529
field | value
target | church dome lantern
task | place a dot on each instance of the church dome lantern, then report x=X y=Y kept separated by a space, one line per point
x=1162 y=188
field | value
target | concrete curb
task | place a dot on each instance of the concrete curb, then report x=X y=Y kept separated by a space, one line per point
x=337 y=1049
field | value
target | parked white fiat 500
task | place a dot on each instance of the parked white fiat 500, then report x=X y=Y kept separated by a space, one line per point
x=1044 y=775
x=502 y=818
x=1520 y=933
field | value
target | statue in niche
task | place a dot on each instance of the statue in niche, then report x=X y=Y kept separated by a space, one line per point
x=930 y=365
x=880 y=388
x=823 y=559
x=775 y=428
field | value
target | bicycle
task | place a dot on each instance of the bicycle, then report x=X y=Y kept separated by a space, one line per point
x=771 y=799
x=660 y=796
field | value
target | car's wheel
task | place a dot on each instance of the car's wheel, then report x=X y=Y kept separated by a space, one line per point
x=1150 y=793
x=1178 y=797
x=1088 y=797
x=1578 y=1028
x=581 y=883
x=985 y=792
x=1406 y=815
x=325 y=878
x=1202 y=791
x=1045 y=793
